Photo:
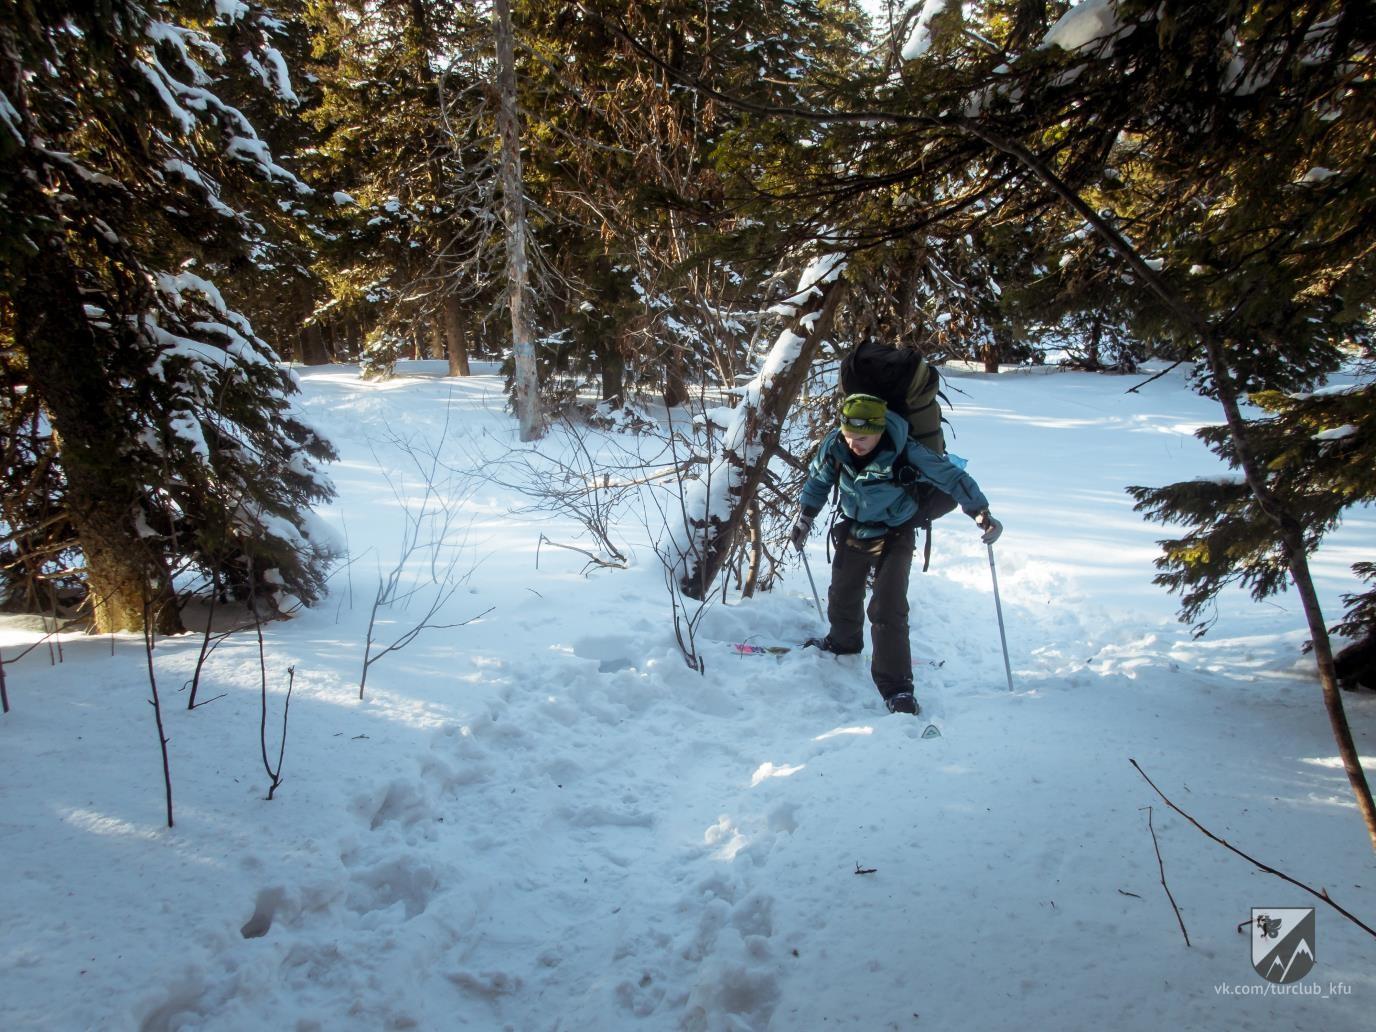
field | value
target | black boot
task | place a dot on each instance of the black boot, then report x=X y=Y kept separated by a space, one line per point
x=827 y=645
x=903 y=702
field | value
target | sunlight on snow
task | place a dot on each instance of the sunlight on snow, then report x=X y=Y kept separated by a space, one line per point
x=111 y=827
x=836 y=732
x=727 y=837
x=1336 y=762
x=767 y=770
x=388 y=705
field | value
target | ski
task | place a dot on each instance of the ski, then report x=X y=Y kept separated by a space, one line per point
x=746 y=648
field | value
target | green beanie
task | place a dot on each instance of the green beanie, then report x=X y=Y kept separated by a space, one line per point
x=863 y=414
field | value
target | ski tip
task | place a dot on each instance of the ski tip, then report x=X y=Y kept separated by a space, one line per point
x=931 y=731
x=747 y=649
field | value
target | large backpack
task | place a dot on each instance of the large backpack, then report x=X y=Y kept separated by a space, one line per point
x=911 y=387
x=905 y=380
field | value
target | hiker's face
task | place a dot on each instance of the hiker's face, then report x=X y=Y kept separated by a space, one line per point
x=860 y=444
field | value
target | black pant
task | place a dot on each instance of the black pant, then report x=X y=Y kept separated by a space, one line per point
x=891 y=559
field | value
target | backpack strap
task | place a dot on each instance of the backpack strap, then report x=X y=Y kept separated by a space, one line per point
x=931 y=496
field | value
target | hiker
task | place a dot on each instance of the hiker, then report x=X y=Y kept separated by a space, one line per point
x=877 y=532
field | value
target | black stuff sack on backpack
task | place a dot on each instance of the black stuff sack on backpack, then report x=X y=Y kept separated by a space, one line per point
x=909 y=385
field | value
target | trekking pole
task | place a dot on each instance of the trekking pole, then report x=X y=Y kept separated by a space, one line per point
x=815 y=597
x=998 y=608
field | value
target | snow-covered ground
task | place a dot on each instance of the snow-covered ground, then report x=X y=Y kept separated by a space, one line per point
x=544 y=820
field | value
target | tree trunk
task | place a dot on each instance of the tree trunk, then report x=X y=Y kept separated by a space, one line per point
x=438 y=348
x=756 y=557
x=1093 y=363
x=1292 y=542
x=744 y=465
x=527 y=380
x=124 y=574
x=611 y=361
x=455 y=338
x=313 y=350
x=675 y=385
x=992 y=352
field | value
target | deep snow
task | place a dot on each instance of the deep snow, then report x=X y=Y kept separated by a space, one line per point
x=544 y=820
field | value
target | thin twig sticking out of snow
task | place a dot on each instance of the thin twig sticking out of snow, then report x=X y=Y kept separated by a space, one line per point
x=1162 y=865
x=1320 y=893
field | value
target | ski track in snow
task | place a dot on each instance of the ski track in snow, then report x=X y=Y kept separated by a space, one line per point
x=553 y=824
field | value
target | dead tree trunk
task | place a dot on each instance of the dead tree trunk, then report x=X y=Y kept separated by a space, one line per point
x=742 y=466
x=526 y=376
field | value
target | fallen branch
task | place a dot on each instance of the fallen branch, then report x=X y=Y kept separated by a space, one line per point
x=1162 y=865
x=1321 y=894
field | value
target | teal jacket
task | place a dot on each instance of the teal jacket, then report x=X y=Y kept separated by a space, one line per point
x=870 y=495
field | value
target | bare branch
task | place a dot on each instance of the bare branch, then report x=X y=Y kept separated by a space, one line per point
x=1160 y=863
x=1321 y=894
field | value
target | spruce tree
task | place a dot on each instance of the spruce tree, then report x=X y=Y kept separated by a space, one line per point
x=177 y=441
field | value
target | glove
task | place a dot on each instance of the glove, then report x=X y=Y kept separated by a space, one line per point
x=798 y=535
x=992 y=528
